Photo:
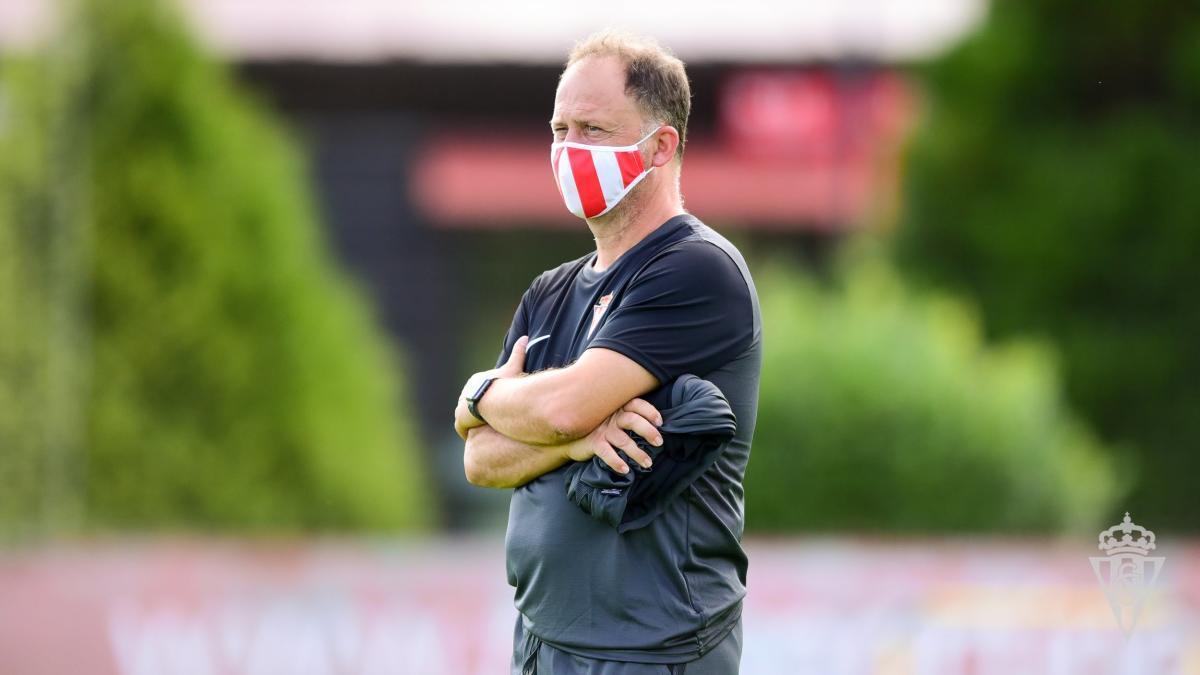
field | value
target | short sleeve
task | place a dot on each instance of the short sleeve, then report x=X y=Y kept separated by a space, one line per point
x=520 y=324
x=689 y=311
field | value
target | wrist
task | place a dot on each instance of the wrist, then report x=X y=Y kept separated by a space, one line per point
x=575 y=451
x=473 y=408
x=477 y=388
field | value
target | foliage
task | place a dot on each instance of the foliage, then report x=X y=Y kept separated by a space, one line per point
x=883 y=410
x=180 y=347
x=1054 y=180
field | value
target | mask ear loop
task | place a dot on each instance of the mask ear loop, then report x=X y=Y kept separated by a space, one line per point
x=653 y=131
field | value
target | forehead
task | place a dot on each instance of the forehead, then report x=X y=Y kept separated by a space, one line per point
x=593 y=87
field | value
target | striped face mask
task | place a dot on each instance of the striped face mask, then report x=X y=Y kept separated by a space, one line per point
x=593 y=178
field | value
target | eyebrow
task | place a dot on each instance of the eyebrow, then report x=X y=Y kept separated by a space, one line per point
x=583 y=121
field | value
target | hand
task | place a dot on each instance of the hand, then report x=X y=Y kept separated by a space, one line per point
x=637 y=416
x=515 y=365
x=464 y=421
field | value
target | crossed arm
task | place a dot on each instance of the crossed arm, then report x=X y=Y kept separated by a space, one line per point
x=537 y=422
x=492 y=459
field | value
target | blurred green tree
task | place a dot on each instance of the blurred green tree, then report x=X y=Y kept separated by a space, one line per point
x=179 y=348
x=1054 y=179
x=883 y=410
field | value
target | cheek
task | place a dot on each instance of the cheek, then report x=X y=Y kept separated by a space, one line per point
x=648 y=159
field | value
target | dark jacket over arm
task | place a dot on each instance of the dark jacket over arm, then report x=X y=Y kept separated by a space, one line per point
x=696 y=427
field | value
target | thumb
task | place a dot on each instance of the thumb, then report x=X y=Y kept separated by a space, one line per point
x=517 y=358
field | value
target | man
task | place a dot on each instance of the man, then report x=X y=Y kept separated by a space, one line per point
x=593 y=343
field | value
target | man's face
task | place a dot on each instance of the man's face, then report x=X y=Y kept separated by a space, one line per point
x=591 y=106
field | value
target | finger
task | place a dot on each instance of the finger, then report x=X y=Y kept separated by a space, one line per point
x=622 y=440
x=643 y=408
x=640 y=426
x=516 y=360
x=610 y=457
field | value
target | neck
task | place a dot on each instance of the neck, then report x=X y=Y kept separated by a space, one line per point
x=622 y=228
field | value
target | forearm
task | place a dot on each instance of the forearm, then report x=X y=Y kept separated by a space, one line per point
x=530 y=409
x=492 y=459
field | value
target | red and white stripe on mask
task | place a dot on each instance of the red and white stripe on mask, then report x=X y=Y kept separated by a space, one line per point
x=593 y=178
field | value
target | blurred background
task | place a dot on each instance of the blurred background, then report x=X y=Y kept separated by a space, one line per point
x=249 y=252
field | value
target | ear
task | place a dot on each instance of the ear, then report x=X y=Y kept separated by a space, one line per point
x=663 y=145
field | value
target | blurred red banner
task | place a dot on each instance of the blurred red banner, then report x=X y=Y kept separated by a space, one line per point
x=429 y=607
x=794 y=150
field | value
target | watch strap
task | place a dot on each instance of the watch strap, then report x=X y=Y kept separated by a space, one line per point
x=473 y=399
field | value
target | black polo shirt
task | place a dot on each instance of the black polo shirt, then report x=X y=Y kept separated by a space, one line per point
x=680 y=301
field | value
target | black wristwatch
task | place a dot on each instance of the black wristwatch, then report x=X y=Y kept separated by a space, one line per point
x=473 y=398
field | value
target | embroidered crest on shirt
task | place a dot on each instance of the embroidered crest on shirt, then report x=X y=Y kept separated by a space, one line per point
x=598 y=310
